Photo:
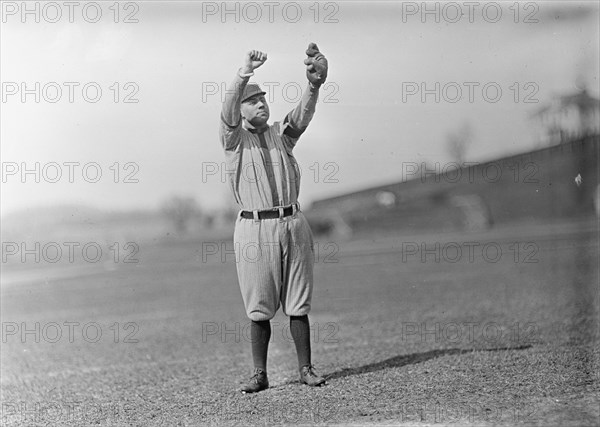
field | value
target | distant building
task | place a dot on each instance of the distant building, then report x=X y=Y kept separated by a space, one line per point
x=551 y=183
x=568 y=117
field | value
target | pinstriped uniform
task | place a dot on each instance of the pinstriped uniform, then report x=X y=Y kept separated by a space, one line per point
x=274 y=257
x=261 y=169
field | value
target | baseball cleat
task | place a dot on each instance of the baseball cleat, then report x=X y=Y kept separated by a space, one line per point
x=257 y=383
x=310 y=377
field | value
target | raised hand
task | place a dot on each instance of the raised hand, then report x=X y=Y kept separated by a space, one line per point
x=316 y=65
x=253 y=60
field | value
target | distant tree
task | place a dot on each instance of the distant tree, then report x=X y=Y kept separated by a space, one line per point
x=180 y=210
x=230 y=208
x=458 y=142
x=208 y=220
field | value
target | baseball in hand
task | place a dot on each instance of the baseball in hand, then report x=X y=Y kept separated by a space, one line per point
x=253 y=60
x=316 y=65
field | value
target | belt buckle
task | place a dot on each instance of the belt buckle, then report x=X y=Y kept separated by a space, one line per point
x=255 y=215
x=281 y=213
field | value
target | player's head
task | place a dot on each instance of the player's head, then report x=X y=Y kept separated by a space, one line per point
x=254 y=108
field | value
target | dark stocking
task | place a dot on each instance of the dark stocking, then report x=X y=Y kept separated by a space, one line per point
x=301 y=333
x=260 y=334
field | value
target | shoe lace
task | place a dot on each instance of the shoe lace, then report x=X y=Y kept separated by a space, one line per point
x=256 y=377
x=309 y=370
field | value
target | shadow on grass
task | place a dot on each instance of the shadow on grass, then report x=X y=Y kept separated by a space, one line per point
x=411 y=359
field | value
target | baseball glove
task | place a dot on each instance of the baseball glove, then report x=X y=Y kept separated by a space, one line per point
x=316 y=65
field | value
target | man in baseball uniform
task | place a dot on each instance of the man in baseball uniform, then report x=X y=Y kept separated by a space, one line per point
x=272 y=240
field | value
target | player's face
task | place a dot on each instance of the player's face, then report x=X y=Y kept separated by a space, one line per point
x=256 y=110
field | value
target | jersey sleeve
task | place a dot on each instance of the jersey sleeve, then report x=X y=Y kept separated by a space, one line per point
x=230 y=134
x=296 y=121
x=289 y=134
x=231 y=118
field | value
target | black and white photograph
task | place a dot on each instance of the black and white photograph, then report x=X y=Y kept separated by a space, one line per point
x=300 y=213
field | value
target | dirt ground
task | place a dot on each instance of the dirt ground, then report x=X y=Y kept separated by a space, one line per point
x=490 y=328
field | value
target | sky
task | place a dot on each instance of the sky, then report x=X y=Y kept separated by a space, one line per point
x=152 y=130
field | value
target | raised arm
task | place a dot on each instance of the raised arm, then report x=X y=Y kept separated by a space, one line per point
x=230 y=112
x=298 y=119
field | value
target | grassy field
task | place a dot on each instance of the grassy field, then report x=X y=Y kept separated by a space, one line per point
x=494 y=328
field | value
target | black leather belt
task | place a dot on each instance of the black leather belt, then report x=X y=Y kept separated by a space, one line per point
x=270 y=213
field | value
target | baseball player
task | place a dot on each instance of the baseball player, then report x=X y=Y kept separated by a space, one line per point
x=272 y=240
